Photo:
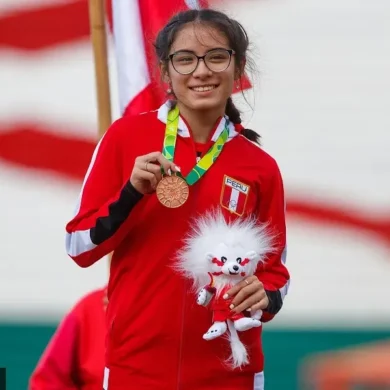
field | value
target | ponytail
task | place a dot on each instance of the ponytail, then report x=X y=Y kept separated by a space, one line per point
x=234 y=115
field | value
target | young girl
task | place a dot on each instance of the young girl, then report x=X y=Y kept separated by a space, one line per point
x=135 y=202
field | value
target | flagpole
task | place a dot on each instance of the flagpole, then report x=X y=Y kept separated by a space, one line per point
x=102 y=81
x=97 y=21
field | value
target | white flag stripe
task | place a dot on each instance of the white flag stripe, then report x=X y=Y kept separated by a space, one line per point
x=234 y=199
x=193 y=4
x=132 y=68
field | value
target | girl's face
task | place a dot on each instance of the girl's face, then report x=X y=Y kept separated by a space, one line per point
x=203 y=89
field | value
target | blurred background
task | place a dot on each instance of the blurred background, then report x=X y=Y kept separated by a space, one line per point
x=321 y=101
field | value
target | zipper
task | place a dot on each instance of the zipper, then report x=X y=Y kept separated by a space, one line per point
x=181 y=339
x=194 y=202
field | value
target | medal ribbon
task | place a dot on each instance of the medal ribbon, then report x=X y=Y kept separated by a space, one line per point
x=206 y=161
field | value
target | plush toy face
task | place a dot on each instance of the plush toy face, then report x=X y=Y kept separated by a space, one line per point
x=232 y=261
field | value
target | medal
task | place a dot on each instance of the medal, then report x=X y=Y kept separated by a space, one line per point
x=173 y=191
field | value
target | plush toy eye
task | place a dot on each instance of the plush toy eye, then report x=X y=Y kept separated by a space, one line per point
x=223 y=259
x=239 y=260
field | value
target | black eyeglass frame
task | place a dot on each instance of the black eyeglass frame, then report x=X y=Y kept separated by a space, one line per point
x=231 y=52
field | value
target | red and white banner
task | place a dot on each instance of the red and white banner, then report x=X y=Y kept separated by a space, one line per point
x=48 y=131
x=47 y=58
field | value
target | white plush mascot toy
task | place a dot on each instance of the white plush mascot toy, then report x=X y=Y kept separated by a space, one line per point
x=216 y=256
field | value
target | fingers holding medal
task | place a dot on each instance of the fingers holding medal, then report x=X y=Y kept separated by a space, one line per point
x=146 y=174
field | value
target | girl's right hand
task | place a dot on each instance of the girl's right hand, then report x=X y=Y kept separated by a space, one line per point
x=147 y=171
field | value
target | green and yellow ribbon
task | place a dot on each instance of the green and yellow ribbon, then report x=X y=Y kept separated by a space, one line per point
x=206 y=161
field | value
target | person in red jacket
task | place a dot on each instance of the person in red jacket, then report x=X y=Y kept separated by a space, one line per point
x=150 y=176
x=74 y=357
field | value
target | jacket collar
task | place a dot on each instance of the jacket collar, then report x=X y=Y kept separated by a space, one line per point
x=183 y=131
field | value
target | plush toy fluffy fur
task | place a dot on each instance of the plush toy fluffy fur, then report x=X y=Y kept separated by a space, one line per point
x=216 y=256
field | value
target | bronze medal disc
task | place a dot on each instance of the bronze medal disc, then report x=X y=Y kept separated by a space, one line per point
x=172 y=191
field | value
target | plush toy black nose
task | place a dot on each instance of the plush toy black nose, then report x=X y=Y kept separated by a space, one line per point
x=236 y=267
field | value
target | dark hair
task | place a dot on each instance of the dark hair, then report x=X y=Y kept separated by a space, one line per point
x=234 y=32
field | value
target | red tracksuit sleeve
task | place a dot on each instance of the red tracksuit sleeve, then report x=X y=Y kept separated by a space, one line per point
x=105 y=201
x=57 y=368
x=273 y=273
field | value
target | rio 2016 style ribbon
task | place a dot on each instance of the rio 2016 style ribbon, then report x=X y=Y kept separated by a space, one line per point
x=173 y=191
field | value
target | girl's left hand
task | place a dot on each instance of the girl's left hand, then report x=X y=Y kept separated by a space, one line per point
x=249 y=294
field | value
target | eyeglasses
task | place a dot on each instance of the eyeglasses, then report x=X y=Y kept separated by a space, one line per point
x=216 y=60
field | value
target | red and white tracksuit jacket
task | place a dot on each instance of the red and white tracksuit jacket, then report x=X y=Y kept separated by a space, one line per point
x=74 y=357
x=154 y=325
